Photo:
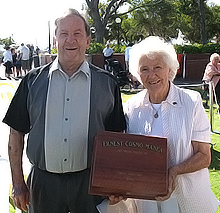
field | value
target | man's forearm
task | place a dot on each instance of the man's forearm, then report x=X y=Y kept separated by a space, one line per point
x=15 y=152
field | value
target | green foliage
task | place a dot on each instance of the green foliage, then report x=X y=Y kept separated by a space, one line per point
x=7 y=41
x=180 y=49
x=54 y=51
x=129 y=31
x=153 y=17
x=119 y=49
x=212 y=21
x=198 y=48
x=164 y=17
x=98 y=48
x=157 y=18
x=95 y=48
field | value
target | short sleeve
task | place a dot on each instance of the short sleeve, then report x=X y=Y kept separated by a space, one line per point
x=17 y=115
x=201 y=125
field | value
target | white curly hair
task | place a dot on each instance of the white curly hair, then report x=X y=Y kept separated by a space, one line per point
x=151 y=47
x=214 y=55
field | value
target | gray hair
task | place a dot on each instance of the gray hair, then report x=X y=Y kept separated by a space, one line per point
x=214 y=55
x=151 y=47
x=73 y=12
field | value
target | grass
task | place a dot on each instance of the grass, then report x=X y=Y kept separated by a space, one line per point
x=214 y=169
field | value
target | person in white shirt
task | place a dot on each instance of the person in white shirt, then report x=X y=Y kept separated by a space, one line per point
x=165 y=110
x=134 y=80
x=25 y=54
x=127 y=55
x=107 y=52
x=7 y=62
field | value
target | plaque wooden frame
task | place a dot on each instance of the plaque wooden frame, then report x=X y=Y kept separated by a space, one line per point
x=130 y=165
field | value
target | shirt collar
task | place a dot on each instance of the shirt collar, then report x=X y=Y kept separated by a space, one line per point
x=84 y=68
x=173 y=98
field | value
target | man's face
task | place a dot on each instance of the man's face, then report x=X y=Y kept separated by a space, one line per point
x=72 y=41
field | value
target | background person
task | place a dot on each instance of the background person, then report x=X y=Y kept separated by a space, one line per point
x=25 y=54
x=135 y=82
x=212 y=74
x=31 y=51
x=14 y=56
x=7 y=59
x=107 y=53
x=18 y=64
x=61 y=107
x=127 y=56
x=165 y=110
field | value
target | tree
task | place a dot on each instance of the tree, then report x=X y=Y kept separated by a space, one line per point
x=7 y=41
x=212 y=22
x=103 y=14
x=197 y=21
x=202 y=21
x=159 y=19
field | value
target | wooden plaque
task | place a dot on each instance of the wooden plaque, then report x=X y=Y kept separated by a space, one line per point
x=131 y=165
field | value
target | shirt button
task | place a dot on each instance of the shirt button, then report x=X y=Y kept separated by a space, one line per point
x=66 y=119
x=67 y=99
x=69 y=80
x=65 y=159
x=65 y=139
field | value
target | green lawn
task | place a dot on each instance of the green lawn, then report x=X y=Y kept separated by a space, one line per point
x=214 y=169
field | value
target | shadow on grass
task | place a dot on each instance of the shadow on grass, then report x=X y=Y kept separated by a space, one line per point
x=205 y=105
x=215 y=162
x=130 y=92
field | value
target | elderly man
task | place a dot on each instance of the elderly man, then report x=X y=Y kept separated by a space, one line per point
x=62 y=108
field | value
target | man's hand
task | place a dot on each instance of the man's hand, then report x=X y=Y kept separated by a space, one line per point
x=20 y=196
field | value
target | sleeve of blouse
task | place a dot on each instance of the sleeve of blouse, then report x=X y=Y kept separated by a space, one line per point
x=211 y=71
x=201 y=125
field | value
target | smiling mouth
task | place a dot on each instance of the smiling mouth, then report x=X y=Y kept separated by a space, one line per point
x=154 y=82
x=74 y=48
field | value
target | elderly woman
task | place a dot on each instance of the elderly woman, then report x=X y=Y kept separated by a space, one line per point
x=163 y=109
x=212 y=73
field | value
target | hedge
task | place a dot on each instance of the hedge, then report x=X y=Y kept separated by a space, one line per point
x=198 y=48
x=180 y=49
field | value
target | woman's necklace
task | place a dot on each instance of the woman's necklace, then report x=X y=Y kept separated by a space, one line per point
x=156 y=114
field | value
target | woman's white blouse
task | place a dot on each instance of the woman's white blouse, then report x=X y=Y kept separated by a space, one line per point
x=183 y=120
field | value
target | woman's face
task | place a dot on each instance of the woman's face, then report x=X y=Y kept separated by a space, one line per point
x=215 y=60
x=154 y=74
